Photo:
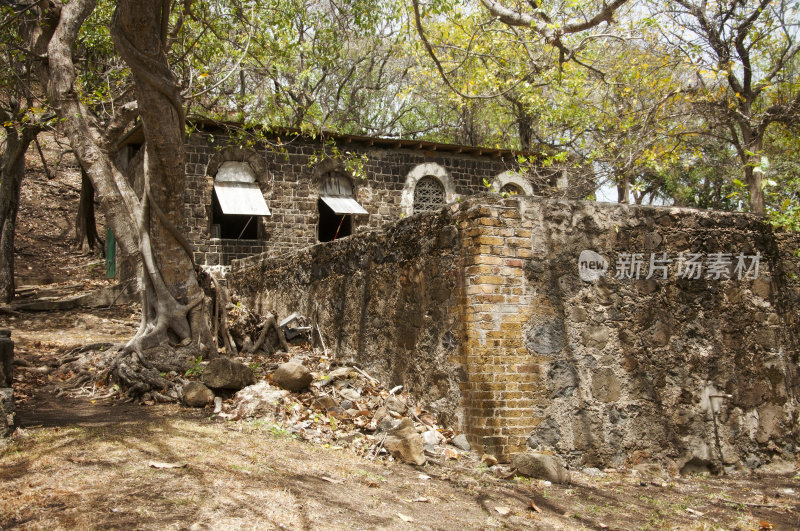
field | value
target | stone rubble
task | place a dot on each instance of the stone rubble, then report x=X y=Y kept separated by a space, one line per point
x=196 y=394
x=315 y=399
x=224 y=373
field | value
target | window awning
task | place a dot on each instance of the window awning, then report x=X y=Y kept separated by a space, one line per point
x=343 y=205
x=241 y=198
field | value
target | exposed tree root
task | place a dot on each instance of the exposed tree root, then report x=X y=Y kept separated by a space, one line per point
x=269 y=324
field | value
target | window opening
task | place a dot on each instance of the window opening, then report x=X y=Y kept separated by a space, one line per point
x=511 y=189
x=237 y=203
x=332 y=226
x=336 y=207
x=428 y=195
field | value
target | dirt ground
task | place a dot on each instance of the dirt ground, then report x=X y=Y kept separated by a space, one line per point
x=86 y=463
x=46 y=252
x=91 y=463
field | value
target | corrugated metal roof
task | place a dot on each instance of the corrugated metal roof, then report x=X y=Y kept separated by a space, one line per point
x=343 y=205
x=241 y=198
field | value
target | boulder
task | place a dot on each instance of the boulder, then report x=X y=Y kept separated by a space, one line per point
x=292 y=376
x=259 y=400
x=224 y=373
x=196 y=394
x=540 y=466
x=405 y=444
x=460 y=442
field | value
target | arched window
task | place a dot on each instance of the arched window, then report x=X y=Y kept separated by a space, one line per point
x=512 y=183
x=336 y=184
x=428 y=195
x=511 y=189
x=336 y=206
x=237 y=202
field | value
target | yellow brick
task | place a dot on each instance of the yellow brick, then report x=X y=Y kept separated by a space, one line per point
x=489 y=240
x=489 y=298
x=489 y=279
x=481 y=270
x=487 y=260
x=490 y=222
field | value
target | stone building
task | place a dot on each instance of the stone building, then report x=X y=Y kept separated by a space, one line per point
x=292 y=190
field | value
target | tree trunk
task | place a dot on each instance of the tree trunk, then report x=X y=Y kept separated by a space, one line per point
x=172 y=299
x=754 y=181
x=525 y=125
x=86 y=236
x=623 y=189
x=173 y=326
x=13 y=170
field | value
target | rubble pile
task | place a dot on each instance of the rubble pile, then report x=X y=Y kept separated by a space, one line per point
x=318 y=400
x=311 y=395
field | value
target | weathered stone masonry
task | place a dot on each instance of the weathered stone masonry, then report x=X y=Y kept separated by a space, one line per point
x=289 y=169
x=479 y=309
x=290 y=181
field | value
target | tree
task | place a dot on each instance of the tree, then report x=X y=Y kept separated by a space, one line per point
x=86 y=236
x=173 y=326
x=304 y=64
x=741 y=52
x=516 y=61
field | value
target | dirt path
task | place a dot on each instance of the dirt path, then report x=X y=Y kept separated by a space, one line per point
x=89 y=466
x=78 y=464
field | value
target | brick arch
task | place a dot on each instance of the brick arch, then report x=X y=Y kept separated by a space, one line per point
x=511 y=177
x=428 y=169
x=236 y=154
x=326 y=166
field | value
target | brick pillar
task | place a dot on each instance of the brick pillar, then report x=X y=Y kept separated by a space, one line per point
x=502 y=378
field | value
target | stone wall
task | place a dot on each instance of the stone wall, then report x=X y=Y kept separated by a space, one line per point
x=389 y=301
x=7 y=411
x=666 y=344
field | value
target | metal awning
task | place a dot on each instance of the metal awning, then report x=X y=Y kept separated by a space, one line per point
x=241 y=198
x=343 y=205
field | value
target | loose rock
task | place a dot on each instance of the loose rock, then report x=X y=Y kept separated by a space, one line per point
x=350 y=394
x=292 y=376
x=196 y=394
x=460 y=442
x=224 y=373
x=387 y=423
x=259 y=400
x=488 y=460
x=540 y=466
x=405 y=444
x=325 y=403
x=392 y=403
x=430 y=437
